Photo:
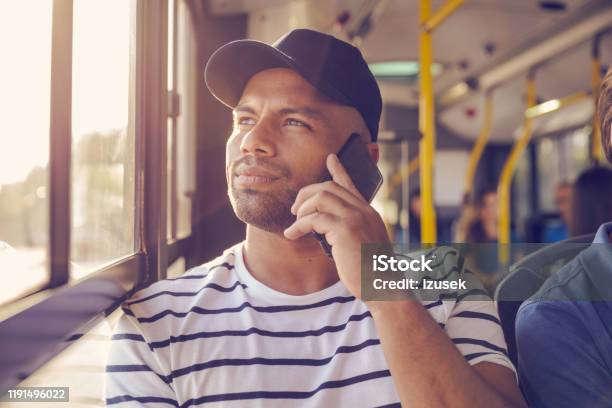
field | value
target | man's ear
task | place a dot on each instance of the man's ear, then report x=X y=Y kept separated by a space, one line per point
x=374 y=152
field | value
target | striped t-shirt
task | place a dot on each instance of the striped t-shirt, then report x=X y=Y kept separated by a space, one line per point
x=218 y=337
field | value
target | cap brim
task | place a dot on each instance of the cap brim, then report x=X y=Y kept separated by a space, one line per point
x=230 y=67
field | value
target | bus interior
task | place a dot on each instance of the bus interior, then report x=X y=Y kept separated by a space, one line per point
x=112 y=158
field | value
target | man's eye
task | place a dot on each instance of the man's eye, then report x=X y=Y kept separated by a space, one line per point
x=295 y=122
x=245 y=121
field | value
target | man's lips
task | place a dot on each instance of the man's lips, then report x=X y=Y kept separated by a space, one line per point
x=253 y=176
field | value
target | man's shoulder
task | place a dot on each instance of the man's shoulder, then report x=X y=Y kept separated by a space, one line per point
x=163 y=294
x=551 y=336
x=533 y=313
x=554 y=298
x=541 y=323
x=573 y=282
x=564 y=306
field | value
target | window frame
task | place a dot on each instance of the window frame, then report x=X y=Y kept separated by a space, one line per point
x=60 y=144
x=181 y=117
x=173 y=113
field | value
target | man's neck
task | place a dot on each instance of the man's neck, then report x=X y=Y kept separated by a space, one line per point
x=295 y=267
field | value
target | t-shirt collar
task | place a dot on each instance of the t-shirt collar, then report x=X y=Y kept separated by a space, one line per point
x=259 y=290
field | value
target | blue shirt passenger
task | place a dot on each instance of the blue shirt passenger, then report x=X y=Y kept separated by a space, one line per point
x=564 y=333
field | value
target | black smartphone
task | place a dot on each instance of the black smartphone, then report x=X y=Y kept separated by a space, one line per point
x=356 y=159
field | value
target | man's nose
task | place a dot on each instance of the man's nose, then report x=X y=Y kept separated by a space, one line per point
x=260 y=139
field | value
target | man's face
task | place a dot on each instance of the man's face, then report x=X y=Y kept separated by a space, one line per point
x=563 y=201
x=489 y=210
x=283 y=130
x=415 y=206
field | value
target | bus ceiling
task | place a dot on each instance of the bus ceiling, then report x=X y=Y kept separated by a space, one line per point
x=512 y=38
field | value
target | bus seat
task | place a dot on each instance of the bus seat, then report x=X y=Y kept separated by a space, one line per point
x=545 y=227
x=525 y=278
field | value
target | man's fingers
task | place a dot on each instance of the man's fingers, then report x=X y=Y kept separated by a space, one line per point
x=324 y=202
x=306 y=192
x=340 y=176
x=315 y=222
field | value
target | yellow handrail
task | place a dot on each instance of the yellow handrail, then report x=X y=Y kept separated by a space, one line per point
x=480 y=144
x=402 y=174
x=441 y=14
x=503 y=188
x=555 y=104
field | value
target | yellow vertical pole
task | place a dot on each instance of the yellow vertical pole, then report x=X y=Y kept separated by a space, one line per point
x=480 y=143
x=427 y=128
x=596 y=149
x=505 y=181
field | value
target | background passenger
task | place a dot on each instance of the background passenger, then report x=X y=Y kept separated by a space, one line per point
x=484 y=227
x=558 y=230
x=591 y=201
x=563 y=197
x=414 y=216
x=414 y=220
x=465 y=220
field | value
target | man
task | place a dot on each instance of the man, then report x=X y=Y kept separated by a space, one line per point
x=274 y=321
x=563 y=201
x=485 y=225
x=564 y=332
x=558 y=230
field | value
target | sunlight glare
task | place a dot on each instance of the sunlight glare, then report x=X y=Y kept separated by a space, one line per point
x=25 y=74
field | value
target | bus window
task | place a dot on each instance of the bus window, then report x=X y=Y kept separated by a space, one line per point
x=102 y=135
x=24 y=102
x=561 y=158
x=522 y=202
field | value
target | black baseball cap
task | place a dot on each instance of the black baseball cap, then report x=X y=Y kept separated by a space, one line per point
x=334 y=67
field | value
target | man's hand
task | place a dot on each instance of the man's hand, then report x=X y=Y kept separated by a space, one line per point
x=426 y=366
x=337 y=210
